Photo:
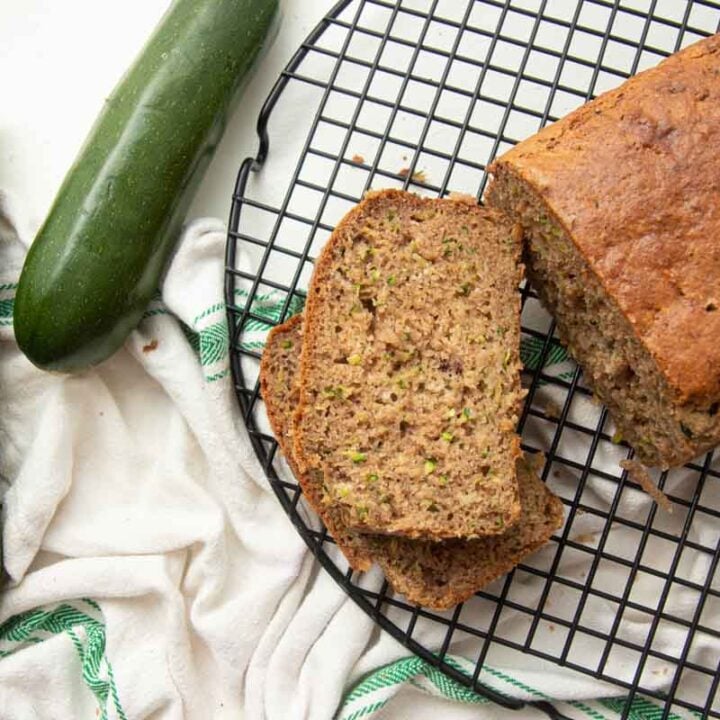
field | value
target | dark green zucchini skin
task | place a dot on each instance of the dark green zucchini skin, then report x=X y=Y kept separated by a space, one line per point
x=99 y=256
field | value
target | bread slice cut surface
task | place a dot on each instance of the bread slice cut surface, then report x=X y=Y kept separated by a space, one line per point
x=409 y=378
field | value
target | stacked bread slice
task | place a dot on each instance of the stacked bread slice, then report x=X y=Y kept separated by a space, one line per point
x=395 y=398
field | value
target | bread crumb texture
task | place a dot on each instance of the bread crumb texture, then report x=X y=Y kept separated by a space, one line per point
x=409 y=381
x=638 y=472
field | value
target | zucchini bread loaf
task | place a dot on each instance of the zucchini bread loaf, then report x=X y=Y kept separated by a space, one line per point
x=620 y=205
x=409 y=377
x=435 y=574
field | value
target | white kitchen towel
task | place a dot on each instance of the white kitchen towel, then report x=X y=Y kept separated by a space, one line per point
x=155 y=575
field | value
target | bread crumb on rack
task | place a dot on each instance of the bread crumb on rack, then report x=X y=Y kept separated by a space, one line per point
x=584 y=538
x=551 y=409
x=637 y=472
x=419 y=176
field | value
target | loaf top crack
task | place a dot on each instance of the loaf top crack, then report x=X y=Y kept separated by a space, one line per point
x=409 y=378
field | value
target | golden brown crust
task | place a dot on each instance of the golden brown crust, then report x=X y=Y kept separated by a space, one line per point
x=633 y=180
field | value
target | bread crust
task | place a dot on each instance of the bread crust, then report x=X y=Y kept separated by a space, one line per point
x=630 y=179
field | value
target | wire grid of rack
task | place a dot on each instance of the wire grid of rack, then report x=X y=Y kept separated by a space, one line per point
x=422 y=94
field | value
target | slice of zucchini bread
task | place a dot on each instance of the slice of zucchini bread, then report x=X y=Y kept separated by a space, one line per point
x=620 y=205
x=435 y=574
x=409 y=377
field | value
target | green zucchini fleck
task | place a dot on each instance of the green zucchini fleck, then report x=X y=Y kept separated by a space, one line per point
x=430 y=465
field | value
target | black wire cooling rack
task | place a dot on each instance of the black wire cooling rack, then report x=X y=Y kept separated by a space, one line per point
x=422 y=94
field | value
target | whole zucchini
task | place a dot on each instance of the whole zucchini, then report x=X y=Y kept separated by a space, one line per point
x=99 y=255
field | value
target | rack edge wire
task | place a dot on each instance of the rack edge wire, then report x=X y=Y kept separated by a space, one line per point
x=236 y=319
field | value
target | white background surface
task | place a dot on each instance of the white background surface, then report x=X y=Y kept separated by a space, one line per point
x=58 y=62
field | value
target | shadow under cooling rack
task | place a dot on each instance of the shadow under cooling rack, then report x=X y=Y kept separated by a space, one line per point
x=422 y=95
